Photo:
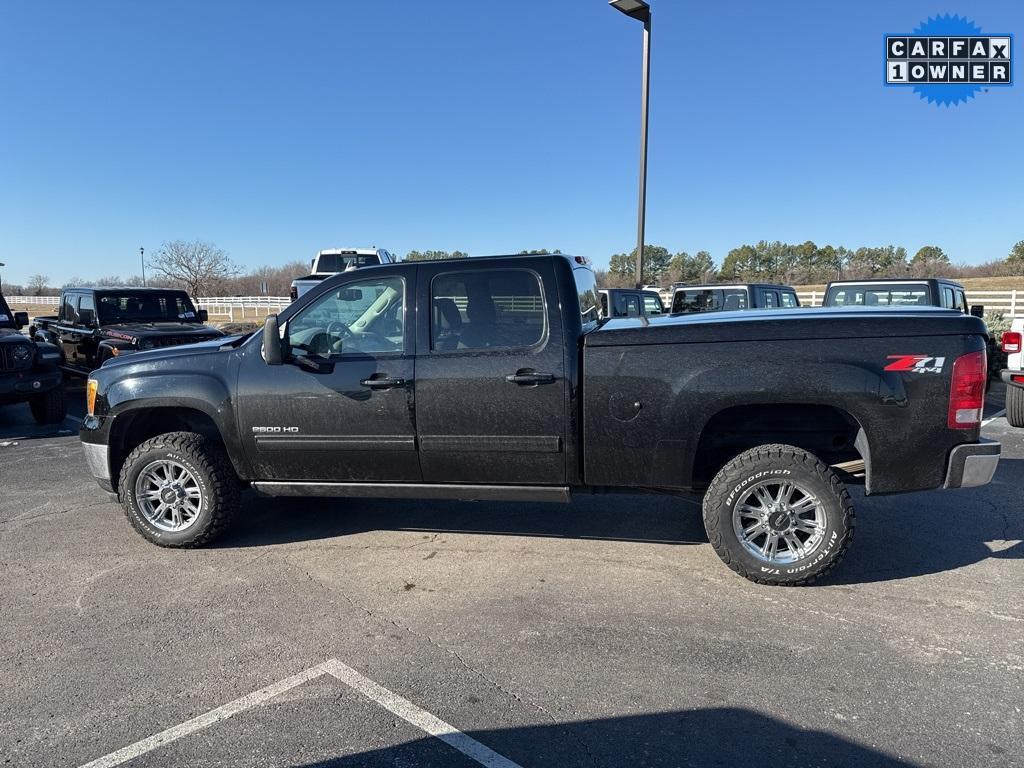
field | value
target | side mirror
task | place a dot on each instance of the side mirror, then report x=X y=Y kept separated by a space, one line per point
x=20 y=319
x=978 y=310
x=273 y=347
x=203 y=315
x=87 y=317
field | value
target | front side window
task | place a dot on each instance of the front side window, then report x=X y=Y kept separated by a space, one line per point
x=67 y=308
x=789 y=299
x=361 y=318
x=486 y=309
x=85 y=302
x=627 y=305
x=961 y=301
x=947 y=298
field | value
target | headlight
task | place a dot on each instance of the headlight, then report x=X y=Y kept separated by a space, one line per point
x=146 y=344
x=22 y=353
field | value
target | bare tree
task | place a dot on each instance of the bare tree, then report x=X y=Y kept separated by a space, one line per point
x=37 y=284
x=199 y=266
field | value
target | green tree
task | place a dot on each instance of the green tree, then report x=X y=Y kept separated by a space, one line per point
x=1015 y=259
x=684 y=268
x=539 y=252
x=656 y=264
x=929 y=261
x=434 y=255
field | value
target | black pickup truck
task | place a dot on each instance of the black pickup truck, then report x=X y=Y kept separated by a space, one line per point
x=96 y=324
x=496 y=378
x=28 y=370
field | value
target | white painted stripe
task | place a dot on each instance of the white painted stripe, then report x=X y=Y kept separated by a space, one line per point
x=392 y=702
x=213 y=716
x=422 y=719
x=993 y=417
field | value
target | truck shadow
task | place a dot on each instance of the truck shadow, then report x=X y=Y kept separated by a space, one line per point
x=700 y=738
x=897 y=536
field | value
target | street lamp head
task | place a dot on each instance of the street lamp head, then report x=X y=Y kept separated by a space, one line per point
x=635 y=9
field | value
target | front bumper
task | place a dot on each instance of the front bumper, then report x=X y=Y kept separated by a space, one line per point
x=97 y=457
x=972 y=464
x=1008 y=378
x=21 y=385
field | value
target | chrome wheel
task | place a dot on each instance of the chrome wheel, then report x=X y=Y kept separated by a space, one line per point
x=779 y=522
x=168 y=495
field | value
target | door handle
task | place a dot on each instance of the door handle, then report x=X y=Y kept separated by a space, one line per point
x=526 y=376
x=382 y=381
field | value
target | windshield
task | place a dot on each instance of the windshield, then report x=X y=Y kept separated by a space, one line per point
x=339 y=262
x=889 y=295
x=6 y=316
x=146 y=306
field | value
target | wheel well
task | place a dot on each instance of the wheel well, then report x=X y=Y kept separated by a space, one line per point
x=828 y=432
x=135 y=427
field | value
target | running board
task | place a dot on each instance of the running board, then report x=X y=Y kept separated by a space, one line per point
x=554 y=493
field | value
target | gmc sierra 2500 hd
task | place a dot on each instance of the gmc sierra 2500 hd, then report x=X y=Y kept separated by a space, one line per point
x=496 y=378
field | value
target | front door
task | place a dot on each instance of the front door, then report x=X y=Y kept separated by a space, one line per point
x=490 y=375
x=340 y=408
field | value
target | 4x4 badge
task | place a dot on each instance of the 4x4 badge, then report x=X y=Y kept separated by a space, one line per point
x=916 y=363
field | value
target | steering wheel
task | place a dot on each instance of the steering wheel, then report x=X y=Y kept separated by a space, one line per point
x=339 y=329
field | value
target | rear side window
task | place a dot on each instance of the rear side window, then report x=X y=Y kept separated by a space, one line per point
x=697 y=301
x=627 y=305
x=486 y=309
x=591 y=307
x=771 y=299
x=733 y=299
x=789 y=299
x=652 y=305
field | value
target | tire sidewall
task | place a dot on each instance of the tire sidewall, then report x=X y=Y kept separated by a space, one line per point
x=199 y=471
x=736 y=488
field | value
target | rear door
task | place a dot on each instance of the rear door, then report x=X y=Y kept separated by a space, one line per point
x=490 y=374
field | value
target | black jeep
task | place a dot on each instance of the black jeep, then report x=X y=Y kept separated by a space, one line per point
x=28 y=370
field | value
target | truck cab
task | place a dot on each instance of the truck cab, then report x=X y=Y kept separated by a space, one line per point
x=897 y=292
x=331 y=261
x=715 y=298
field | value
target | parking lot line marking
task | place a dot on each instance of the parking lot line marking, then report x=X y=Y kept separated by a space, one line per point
x=414 y=715
x=993 y=417
x=395 y=704
x=230 y=709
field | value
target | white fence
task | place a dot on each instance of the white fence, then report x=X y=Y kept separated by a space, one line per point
x=242 y=306
x=1010 y=303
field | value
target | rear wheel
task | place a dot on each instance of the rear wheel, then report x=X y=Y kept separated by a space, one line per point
x=178 y=490
x=777 y=515
x=49 y=407
x=1015 y=405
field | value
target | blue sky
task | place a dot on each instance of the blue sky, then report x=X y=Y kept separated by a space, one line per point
x=276 y=129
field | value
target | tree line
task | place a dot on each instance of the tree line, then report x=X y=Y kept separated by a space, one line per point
x=799 y=264
x=203 y=269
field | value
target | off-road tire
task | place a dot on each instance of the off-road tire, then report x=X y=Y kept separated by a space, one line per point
x=206 y=460
x=49 y=407
x=786 y=463
x=1015 y=405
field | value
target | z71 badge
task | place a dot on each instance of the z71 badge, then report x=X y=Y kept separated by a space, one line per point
x=916 y=363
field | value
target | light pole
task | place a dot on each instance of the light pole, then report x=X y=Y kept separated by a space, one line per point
x=638 y=9
x=1 y=278
x=142 y=258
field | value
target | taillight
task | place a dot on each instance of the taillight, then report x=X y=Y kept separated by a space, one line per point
x=967 y=391
x=1011 y=342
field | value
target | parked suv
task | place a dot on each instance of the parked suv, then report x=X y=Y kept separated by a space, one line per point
x=28 y=370
x=630 y=302
x=1013 y=375
x=96 y=324
x=712 y=298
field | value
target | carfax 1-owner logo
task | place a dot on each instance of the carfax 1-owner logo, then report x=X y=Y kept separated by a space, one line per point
x=949 y=59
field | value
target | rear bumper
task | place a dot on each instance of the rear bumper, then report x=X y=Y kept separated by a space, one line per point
x=972 y=464
x=1007 y=378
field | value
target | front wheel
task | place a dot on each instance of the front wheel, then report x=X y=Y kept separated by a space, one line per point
x=178 y=489
x=777 y=515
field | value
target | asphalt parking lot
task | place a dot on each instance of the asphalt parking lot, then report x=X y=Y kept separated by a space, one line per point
x=602 y=633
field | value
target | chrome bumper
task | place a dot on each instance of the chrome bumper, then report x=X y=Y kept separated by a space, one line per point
x=972 y=464
x=97 y=456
